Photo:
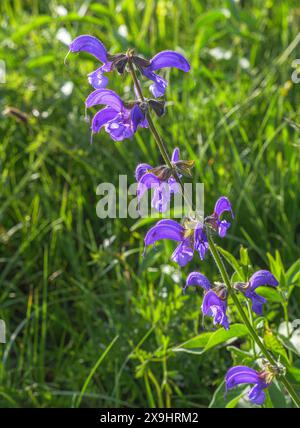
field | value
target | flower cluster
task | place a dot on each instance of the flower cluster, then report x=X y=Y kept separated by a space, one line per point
x=215 y=298
x=118 y=119
x=192 y=234
x=121 y=120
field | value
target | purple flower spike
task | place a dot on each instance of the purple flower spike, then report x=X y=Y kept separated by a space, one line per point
x=158 y=179
x=215 y=307
x=164 y=59
x=261 y=277
x=187 y=236
x=93 y=46
x=242 y=374
x=221 y=226
x=115 y=117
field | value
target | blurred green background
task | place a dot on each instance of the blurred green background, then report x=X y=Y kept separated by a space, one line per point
x=72 y=283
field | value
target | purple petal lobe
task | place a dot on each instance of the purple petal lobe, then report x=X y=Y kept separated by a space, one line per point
x=175 y=155
x=183 y=253
x=163 y=230
x=169 y=59
x=262 y=277
x=141 y=169
x=146 y=182
x=161 y=197
x=257 y=301
x=257 y=395
x=159 y=87
x=197 y=279
x=200 y=241
x=223 y=204
x=97 y=79
x=137 y=117
x=223 y=226
x=102 y=117
x=213 y=306
x=104 y=96
x=171 y=223
x=119 y=128
x=241 y=374
x=91 y=45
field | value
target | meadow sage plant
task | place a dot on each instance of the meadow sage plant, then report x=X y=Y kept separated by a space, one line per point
x=121 y=120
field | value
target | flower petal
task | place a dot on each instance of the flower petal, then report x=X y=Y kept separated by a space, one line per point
x=97 y=79
x=183 y=253
x=222 y=205
x=262 y=277
x=175 y=155
x=257 y=301
x=161 y=197
x=119 y=129
x=213 y=306
x=241 y=374
x=200 y=241
x=169 y=59
x=141 y=169
x=146 y=182
x=197 y=279
x=102 y=117
x=223 y=226
x=105 y=96
x=137 y=117
x=164 y=229
x=159 y=87
x=91 y=45
x=257 y=395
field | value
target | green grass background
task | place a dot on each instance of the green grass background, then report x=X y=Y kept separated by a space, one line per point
x=72 y=283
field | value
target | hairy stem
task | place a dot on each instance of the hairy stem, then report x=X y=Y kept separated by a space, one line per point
x=213 y=249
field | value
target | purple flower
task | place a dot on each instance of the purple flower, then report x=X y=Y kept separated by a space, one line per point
x=214 y=300
x=190 y=236
x=119 y=121
x=158 y=179
x=242 y=374
x=96 y=48
x=164 y=59
x=221 y=226
x=261 y=277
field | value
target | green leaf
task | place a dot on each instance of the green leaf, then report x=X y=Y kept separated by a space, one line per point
x=222 y=336
x=273 y=344
x=277 y=395
x=293 y=274
x=244 y=257
x=271 y=294
x=288 y=344
x=194 y=345
x=230 y=399
x=233 y=262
